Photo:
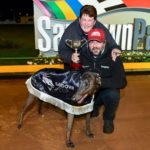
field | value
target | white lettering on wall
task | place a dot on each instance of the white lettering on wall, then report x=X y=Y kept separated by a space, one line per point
x=44 y=43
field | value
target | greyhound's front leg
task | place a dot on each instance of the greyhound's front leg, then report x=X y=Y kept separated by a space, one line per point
x=40 y=106
x=29 y=101
x=69 y=143
x=88 y=126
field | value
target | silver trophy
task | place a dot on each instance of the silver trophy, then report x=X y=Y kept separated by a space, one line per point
x=75 y=44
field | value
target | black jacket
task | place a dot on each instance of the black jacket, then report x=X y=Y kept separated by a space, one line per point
x=74 y=31
x=112 y=73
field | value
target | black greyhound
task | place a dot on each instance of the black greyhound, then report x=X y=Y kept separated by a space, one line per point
x=89 y=83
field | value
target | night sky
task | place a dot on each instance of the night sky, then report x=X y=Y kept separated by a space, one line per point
x=11 y=9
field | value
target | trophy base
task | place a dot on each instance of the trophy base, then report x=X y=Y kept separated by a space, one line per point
x=76 y=66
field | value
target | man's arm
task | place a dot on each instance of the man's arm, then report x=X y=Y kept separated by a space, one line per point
x=118 y=78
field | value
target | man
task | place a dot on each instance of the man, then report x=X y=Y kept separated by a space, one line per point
x=78 y=30
x=110 y=68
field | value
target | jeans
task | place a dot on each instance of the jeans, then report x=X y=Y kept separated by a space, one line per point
x=110 y=99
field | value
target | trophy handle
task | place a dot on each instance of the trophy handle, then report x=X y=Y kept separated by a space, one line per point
x=68 y=43
x=83 y=42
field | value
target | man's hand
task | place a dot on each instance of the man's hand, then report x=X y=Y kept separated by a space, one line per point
x=75 y=57
x=115 y=53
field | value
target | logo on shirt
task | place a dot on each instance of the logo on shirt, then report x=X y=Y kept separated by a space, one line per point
x=105 y=67
x=85 y=66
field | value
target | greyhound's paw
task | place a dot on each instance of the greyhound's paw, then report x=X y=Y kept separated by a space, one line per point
x=70 y=144
x=90 y=135
x=42 y=115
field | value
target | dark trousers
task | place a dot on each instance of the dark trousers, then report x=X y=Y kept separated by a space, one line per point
x=110 y=99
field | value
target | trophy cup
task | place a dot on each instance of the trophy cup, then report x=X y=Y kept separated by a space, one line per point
x=75 y=45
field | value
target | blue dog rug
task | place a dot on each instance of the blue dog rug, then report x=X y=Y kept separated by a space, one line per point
x=57 y=86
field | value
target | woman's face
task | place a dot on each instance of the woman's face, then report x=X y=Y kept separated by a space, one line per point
x=86 y=23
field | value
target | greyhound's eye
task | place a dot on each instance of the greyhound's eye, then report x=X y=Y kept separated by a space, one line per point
x=85 y=83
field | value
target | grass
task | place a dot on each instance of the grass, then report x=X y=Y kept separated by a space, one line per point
x=17 y=44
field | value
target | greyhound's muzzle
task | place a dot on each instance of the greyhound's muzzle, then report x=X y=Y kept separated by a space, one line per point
x=89 y=83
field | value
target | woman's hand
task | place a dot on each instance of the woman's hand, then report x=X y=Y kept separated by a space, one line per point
x=115 y=53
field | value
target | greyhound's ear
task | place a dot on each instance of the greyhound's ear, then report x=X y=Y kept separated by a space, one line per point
x=85 y=75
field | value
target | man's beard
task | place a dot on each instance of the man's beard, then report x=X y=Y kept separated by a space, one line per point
x=96 y=52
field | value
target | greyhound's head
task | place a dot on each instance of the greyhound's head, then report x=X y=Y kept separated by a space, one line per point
x=89 y=83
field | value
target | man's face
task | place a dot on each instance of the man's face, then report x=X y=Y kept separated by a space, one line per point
x=96 y=47
x=86 y=23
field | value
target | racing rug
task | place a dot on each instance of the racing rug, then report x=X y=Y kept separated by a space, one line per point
x=57 y=86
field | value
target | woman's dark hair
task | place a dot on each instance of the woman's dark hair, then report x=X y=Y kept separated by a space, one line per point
x=89 y=10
